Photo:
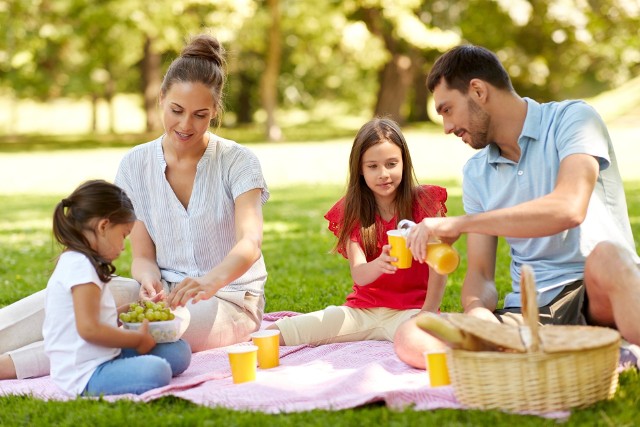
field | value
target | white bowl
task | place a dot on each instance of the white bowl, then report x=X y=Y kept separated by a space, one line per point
x=162 y=331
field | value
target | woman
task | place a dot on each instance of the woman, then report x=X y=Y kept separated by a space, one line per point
x=198 y=199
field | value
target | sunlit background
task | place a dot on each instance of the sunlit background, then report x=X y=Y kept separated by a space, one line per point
x=83 y=70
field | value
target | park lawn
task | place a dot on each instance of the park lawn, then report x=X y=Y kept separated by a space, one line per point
x=303 y=276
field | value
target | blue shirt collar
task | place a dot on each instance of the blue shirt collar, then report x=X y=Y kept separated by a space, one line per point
x=530 y=131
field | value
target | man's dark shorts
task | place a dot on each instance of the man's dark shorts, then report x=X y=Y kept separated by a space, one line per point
x=568 y=308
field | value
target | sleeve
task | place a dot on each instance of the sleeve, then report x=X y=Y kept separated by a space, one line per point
x=582 y=132
x=245 y=173
x=430 y=201
x=335 y=216
x=123 y=179
x=79 y=271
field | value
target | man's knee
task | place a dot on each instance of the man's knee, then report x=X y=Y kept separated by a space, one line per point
x=607 y=260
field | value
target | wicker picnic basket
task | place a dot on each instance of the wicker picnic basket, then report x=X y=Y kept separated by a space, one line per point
x=563 y=367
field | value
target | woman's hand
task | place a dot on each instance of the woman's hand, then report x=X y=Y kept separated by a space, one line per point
x=151 y=290
x=189 y=288
x=146 y=340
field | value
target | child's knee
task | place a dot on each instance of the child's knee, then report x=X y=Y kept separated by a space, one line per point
x=156 y=372
x=178 y=354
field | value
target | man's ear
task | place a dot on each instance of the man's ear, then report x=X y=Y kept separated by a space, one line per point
x=478 y=90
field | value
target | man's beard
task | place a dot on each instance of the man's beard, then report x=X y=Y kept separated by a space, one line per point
x=478 y=126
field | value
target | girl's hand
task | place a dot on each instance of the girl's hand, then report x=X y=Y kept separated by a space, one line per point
x=383 y=262
x=146 y=340
x=189 y=288
x=151 y=290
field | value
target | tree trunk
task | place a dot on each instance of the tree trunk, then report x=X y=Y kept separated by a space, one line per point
x=245 y=112
x=418 y=112
x=396 y=77
x=151 y=82
x=395 y=80
x=269 y=81
x=94 y=112
x=109 y=94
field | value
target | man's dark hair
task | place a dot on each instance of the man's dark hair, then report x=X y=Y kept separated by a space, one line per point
x=463 y=63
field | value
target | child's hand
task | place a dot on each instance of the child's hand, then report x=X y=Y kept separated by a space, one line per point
x=383 y=262
x=146 y=340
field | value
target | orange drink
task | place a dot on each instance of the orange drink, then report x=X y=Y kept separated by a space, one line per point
x=442 y=257
x=399 y=249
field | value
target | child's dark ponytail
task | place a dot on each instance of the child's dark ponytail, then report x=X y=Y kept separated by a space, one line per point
x=91 y=202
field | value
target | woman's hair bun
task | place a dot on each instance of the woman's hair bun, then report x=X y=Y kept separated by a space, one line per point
x=206 y=47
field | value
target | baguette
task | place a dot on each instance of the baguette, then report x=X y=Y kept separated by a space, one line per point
x=454 y=337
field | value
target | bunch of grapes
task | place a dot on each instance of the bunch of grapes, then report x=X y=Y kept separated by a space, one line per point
x=152 y=311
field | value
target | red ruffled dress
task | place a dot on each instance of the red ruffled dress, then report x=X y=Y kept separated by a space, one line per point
x=406 y=288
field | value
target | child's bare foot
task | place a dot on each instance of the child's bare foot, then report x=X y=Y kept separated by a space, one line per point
x=7 y=368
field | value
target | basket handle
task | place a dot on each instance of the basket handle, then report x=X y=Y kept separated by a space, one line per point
x=529 y=332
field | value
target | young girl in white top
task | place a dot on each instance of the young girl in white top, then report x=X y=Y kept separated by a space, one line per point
x=88 y=353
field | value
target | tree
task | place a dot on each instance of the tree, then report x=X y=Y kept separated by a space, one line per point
x=406 y=38
x=269 y=81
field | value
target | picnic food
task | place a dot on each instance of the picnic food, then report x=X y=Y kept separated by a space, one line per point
x=161 y=331
x=163 y=324
x=466 y=332
x=152 y=311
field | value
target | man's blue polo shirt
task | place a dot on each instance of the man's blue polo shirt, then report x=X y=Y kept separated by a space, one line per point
x=551 y=132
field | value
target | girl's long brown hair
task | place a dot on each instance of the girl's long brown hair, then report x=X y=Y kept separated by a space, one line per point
x=359 y=202
x=93 y=200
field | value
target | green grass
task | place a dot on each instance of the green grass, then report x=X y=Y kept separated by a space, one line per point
x=293 y=131
x=303 y=276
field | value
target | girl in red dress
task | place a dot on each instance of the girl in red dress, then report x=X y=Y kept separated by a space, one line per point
x=382 y=190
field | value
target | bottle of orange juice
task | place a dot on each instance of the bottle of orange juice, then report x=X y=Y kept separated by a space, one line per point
x=442 y=257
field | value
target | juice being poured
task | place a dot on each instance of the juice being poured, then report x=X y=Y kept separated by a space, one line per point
x=443 y=258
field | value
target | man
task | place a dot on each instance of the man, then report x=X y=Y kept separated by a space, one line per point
x=545 y=178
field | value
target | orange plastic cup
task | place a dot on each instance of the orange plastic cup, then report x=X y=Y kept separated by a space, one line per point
x=399 y=249
x=437 y=368
x=442 y=257
x=268 y=342
x=243 y=360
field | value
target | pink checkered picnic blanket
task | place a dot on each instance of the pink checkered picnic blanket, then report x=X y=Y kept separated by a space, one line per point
x=330 y=377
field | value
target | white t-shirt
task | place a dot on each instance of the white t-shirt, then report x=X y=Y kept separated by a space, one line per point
x=190 y=242
x=73 y=360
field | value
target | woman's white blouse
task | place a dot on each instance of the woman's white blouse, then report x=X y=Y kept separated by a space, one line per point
x=190 y=242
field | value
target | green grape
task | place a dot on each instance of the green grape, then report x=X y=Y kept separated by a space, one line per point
x=152 y=311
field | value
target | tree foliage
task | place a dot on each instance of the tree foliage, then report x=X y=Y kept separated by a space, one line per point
x=362 y=55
